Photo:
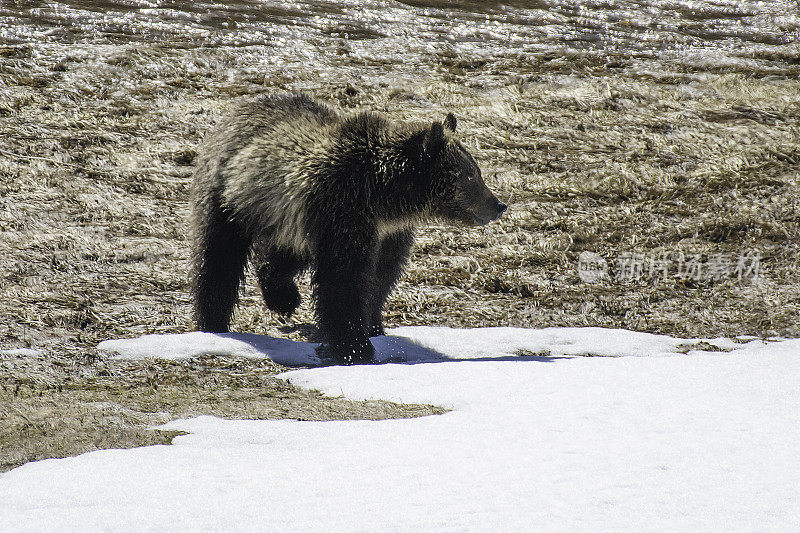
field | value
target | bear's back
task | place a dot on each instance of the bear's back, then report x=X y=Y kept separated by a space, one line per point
x=267 y=112
x=262 y=117
x=261 y=161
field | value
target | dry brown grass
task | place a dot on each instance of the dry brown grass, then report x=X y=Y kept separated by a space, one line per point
x=53 y=407
x=610 y=157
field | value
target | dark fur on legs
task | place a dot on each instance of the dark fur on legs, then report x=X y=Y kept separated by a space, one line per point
x=276 y=269
x=343 y=285
x=218 y=266
x=393 y=255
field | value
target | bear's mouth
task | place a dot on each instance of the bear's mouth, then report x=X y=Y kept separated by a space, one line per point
x=482 y=219
x=469 y=217
x=482 y=213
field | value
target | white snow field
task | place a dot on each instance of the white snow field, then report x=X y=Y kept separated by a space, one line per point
x=643 y=439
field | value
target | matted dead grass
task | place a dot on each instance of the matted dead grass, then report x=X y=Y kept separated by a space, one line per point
x=54 y=407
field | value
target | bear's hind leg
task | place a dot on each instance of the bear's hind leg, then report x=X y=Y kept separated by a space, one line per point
x=392 y=257
x=276 y=269
x=219 y=259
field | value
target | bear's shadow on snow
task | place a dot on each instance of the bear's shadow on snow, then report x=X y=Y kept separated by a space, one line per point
x=389 y=349
x=401 y=350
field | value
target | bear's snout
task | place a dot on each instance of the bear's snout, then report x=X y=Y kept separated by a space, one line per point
x=499 y=208
x=490 y=210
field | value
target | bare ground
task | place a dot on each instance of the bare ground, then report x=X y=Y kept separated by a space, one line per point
x=610 y=155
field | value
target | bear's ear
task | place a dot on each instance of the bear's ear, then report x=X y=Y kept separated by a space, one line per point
x=425 y=143
x=450 y=122
x=435 y=137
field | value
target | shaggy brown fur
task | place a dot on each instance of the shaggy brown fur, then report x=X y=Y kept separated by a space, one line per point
x=292 y=184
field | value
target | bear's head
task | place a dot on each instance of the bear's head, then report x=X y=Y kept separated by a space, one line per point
x=458 y=191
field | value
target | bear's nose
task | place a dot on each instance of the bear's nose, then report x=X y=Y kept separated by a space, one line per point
x=501 y=208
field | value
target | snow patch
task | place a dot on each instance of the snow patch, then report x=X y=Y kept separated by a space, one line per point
x=197 y=343
x=411 y=344
x=649 y=439
x=22 y=352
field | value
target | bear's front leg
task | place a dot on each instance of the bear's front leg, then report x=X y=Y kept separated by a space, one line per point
x=342 y=288
x=391 y=260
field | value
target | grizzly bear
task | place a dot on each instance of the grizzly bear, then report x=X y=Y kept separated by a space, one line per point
x=291 y=184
